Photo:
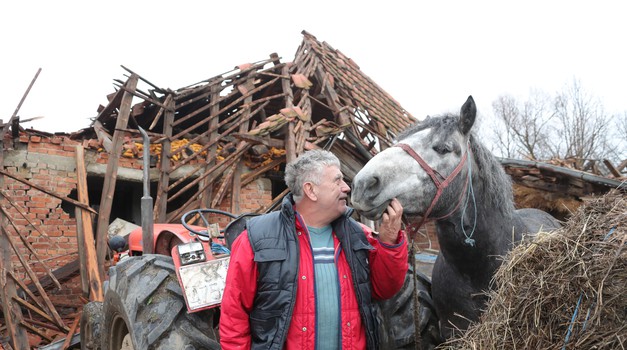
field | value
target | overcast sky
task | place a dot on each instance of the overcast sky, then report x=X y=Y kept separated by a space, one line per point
x=428 y=55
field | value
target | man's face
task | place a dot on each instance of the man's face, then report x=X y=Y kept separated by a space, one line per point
x=332 y=192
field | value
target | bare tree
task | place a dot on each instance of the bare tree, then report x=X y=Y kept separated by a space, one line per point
x=619 y=147
x=572 y=124
x=507 y=113
x=582 y=125
x=526 y=125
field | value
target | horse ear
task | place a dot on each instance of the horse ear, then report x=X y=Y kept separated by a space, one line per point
x=467 y=115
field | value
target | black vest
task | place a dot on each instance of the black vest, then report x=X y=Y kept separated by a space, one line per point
x=275 y=245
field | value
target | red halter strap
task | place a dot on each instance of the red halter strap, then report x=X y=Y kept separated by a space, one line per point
x=440 y=185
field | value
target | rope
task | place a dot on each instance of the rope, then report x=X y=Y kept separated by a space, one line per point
x=572 y=319
x=471 y=193
x=572 y=322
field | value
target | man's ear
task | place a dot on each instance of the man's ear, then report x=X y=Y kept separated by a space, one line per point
x=308 y=190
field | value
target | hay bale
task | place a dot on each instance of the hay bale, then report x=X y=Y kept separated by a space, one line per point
x=564 y=290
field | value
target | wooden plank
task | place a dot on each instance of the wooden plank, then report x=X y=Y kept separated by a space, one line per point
x=33 y=277
x=222 y=110
x=26 y=290
x=61 y=273
x=68 y=338
x=249 y=177
x=243 y=127
x=226 y=180
x=611 y=168
x=13 y=317
x=43 y=335
x=85 y=231
x=167 y=106
x=108 y=189
x=290 y=141
x=213 y=134
x=35 y=309
x=19 y=105
x=80 y=240
x=144 y=80
x=226 y=132
x=224 y=164
x=207 y=174
x=103 y=136
x=30 y=248
x=267 y=140
x=113 y=104
x=12 y=313
x=25 y=217
x=161 y=200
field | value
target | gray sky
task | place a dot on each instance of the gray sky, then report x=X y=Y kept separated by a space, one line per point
x=428 y=55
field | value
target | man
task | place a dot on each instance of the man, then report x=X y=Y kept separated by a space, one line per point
x=304 y=277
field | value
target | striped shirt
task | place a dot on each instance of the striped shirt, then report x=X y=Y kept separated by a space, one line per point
x=327 y=288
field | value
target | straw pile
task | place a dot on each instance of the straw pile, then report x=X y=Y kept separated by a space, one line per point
x=564 y=290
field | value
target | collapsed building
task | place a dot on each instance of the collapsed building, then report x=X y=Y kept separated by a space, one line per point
x=220 y=143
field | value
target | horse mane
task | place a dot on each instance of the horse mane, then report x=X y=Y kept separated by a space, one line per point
x=496 y=183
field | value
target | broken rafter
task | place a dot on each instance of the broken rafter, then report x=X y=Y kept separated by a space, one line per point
x=165 y=107
x=227 y=162
x=25 y=217
x=158 y=89
x=57 y=319
x=226 y=180
x=224 y=109
x=29 y=247
x=141 y=95
x=19 y=105
x=249 y=177
x=206 y=174
x=46 y=191
x=108 y=188
x=226 y=132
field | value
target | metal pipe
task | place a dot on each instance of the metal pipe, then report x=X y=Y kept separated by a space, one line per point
x=148 y=244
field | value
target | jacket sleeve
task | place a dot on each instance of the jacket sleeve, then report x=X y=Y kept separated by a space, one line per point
x=388 y=265
x=239 y=293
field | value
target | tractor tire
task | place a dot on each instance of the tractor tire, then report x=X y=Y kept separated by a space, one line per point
x=144 y=308
x=399 y=319
x=91 y=326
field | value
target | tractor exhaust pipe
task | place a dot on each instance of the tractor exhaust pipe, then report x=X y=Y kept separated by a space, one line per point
x=148 y=244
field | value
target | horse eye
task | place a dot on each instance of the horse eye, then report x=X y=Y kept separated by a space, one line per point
x=442 y=149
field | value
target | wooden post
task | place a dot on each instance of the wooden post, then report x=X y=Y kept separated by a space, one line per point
x=87 y=245
x=290 y=140
x=213 y=150
x=243 y=128
x=108 y=188
x=12 y=313
x=161 y=202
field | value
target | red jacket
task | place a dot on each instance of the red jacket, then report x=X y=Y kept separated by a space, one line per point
x=388 y=266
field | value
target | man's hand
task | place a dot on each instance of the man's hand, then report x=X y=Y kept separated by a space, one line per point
x=391 y=222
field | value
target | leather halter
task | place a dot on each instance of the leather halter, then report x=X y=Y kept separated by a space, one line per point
x=439 y=184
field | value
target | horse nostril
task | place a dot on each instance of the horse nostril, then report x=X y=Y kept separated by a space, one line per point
x=373 y=182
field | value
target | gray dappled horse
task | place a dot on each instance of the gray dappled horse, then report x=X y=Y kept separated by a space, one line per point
x=439 y=169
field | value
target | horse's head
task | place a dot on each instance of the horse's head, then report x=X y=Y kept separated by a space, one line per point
x=441 y=143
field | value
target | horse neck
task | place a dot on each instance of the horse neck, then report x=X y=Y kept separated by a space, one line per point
x=489 y=228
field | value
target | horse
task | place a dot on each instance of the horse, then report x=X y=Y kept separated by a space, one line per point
x=439 y=170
